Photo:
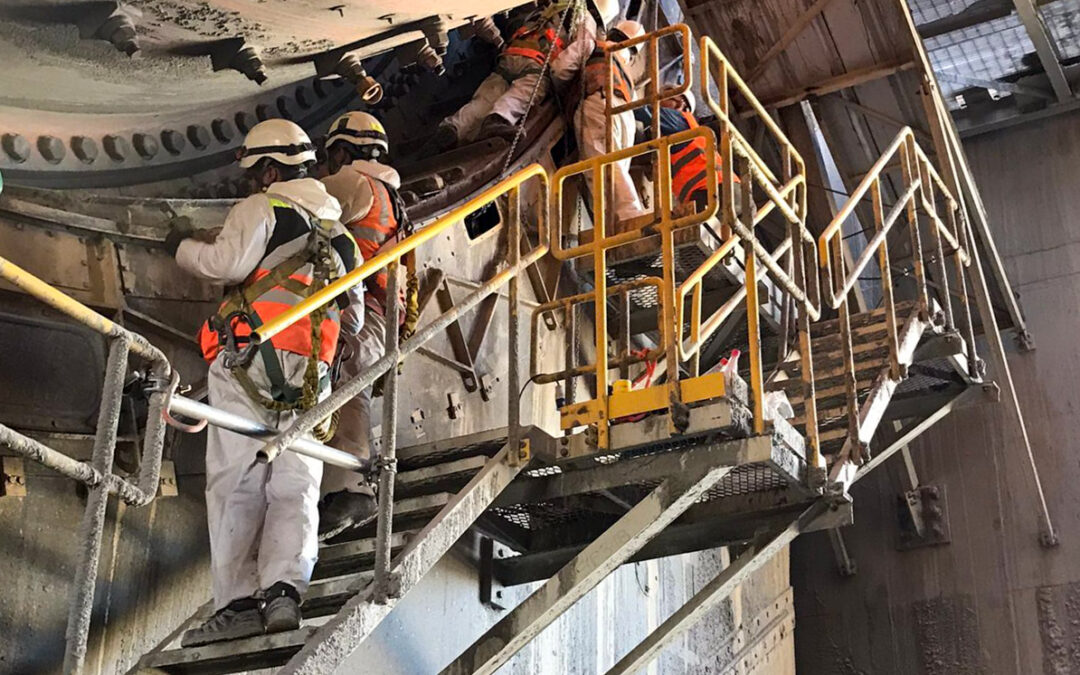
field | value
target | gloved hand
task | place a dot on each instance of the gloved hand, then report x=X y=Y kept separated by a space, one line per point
x=179 y=229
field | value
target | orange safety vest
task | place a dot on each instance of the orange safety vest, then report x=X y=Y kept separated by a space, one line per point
x=289 y=225
x=378 y=226
x=688 y=165
x=595 y=77
x=533 y=43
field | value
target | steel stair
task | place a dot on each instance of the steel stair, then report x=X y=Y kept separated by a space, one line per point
x=431 y=479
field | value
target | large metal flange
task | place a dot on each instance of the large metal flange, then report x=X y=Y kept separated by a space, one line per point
x=114 y=150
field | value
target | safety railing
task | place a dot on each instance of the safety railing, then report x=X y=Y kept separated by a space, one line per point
x=98 y=475
x=784 y=193
x=666 y=221
x=654 y=90
x=921 y=192
x=509 y=188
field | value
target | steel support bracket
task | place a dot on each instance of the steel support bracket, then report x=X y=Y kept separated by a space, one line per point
x=923 y=518
x=12 y=477
x=491 y=591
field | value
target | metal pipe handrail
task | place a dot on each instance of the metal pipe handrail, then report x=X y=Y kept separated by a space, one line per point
x=378 y=262
x=662 y=147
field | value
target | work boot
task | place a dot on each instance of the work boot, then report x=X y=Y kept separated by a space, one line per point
x=446 y=137
x=282 y=609
x=496 y=126
x=239 y=619
x=344 y=510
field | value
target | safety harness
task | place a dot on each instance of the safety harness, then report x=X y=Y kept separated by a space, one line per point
x=238 y=317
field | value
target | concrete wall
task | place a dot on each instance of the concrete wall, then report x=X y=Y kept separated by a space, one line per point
x=992 y=601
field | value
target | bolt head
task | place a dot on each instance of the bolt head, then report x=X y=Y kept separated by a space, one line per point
x=16 y=147
x=263 y=112
x=223 y=130
x=244 y=121
x=51 y=148
x=116 y=147
x=84 y=148
x=283 y=107
x=173 y=141
x=198 y=135
x=146 y=145
x=303 y=97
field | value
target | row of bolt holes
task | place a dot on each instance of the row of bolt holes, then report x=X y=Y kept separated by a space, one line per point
x=85 y=149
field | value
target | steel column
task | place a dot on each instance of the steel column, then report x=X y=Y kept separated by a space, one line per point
x=388 y=457
x=82 y=603
x=612 y=548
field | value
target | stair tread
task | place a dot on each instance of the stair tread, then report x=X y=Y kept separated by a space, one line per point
x=261 y=651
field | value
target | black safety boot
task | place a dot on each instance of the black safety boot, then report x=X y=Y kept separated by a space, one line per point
x=239 y=619
x=282 y=609
x=496 y=126
x=343 y=510
x=446 y=137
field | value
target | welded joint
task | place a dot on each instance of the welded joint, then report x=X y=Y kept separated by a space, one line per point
x=12 y=477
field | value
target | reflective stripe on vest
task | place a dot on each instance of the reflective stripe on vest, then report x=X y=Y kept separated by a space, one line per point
x=595 y=76
x=289 y=225
x=689 y=168
x=377 y=226
x=532 y=43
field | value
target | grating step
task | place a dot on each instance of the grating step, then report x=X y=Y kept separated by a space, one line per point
x=409 y=513
x=263 y=651
x=355 y=556
x=485 y=444
x=449 y=476
x=863 y=319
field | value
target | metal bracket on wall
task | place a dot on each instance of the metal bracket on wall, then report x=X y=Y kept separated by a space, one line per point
x=491 y=591
x=923 y=518
x=12 y=477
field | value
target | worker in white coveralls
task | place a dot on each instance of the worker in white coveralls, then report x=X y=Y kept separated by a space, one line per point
x=366 y=186
x=585 y=60
x=503 y=98
x=276 y=247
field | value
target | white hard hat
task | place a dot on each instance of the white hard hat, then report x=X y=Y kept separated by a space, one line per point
x=280 y=140
x=631 y=29
x=607 y=9
x=358 y=128
x=691 y=100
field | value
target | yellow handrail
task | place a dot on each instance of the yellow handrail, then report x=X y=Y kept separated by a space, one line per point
x=407 y=245
x=67 y=305
x=662 y=147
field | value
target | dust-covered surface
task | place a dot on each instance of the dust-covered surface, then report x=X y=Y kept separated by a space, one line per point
x=947 y=636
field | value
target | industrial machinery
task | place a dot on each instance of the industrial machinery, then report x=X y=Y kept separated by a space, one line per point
x=604 y=428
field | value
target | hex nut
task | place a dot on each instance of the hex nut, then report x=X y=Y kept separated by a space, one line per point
x=263 y=112
x=244 y=121
x=173 y=141
x=198 y=135
x=303 y=97
x=146 y=145
x=16 y=147
x=51 y=148
x=84 y=148
x=116 y=147
x=223 y=130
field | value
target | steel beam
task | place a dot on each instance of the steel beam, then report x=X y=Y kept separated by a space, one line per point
x=610 y=550
x=711 y=595
x=1045 y=48
x=360 y=616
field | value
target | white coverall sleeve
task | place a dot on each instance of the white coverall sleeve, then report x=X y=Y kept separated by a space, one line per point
x=567 y=64
x=353 y=192
x=238 y=248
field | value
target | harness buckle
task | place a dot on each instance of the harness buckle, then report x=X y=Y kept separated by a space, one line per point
x=238 y=350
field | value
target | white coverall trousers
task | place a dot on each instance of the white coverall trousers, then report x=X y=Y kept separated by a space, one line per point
x=263 y=518
x=590 y=122
x=354 y=422
x=497 y=95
